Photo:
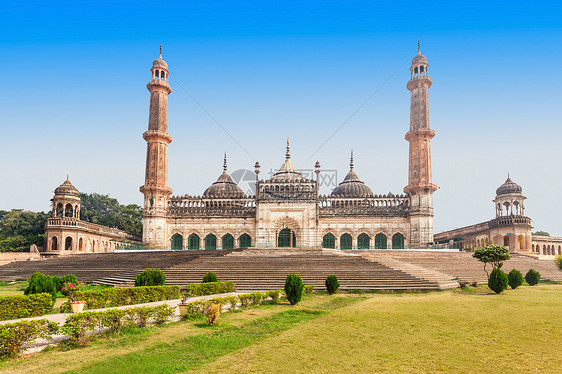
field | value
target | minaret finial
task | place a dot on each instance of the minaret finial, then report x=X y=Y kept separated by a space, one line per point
x=224 y=165
x=419 y=52
x=161 y=49
x=351 y=161
x=69 y=179
x=288 y=153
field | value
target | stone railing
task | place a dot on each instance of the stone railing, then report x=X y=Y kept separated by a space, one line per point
x=510 y=221
x=379 y=205
x=197 y=206
x=91 y=228
x=287 y=191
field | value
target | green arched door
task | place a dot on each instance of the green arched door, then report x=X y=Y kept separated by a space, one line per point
x=227 y=241
x=345 y=241
x=380 y=241
x=244 y=241
x=177 y=242
x=286 y=238
x=363 y=241
x=210 y=242
x=193 y=242
x=397 y=241
x=329 y=241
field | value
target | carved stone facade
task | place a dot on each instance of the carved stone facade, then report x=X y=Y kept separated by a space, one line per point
x=287 y=209
x=66 y=233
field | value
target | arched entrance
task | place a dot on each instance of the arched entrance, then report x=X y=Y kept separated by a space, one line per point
x=54 y=244
x=398 y=241
x=329 y=241
x=211 y=241
x=380 y=241
x=345 y=241
x=520 y=242
x=227 y=241
x=193 y=242
x=244 y=241
x=506 y=241
x=177 y=242
x=363 y=241
x=286 y=238
x=80 y=244
x=68 y=244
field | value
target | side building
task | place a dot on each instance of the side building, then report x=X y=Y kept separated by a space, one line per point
x=511 y=228
x=66 y=233
x=287 y=210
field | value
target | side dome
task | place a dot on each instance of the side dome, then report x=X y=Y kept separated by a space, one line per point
x=160 y=63
x=66 y=188
x=352 y=186
x=508 y=187
x=224 y=187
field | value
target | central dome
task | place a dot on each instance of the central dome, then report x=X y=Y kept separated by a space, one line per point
x=352 y=186
x=287 y=172
x=224 y=187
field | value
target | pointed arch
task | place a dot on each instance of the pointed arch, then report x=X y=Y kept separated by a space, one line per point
x=346 y=242
x=329 y=241
x=210 y=241
x=398 y=241
x=244 y=241
x=193 y=242
x=380 y=241
x=176 y=242
x=227 y=241
x=363 y=241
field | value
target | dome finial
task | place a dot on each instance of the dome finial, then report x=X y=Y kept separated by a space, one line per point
x=288 y=153
x=419 y=52
x=224 y=165
x=161 y=50
x=351 y=161
x=67 y=178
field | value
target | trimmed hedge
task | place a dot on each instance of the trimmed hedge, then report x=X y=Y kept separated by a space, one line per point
x=15 y=336
x=309 y=288
x=293 y=288
x=20 y=306
x=81 y=326
x=96 y=299
x=209 y=288
x=515 y=278
x=498 y=280
x=201 y=307
x=150 y=277
x=332 y=284
x=532 y=277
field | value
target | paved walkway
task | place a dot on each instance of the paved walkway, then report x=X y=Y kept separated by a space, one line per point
x=61 y=317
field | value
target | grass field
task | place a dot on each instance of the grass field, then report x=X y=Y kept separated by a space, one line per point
x=452 y=331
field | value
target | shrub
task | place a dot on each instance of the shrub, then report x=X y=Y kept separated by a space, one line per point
x=532 y=277
x=20 y=306
x=209 y=288
x=210 y=277
x=273 y=294
x=515 y=278
x=332 y=284
x=309 y=288
x=213 y=317
x=41 y=283
x=498 y=280
x=68 y=278
x=558 y=261
x=81 y=326
x=250 y=299
x=15 y=336
x=109 y=297
x=293 y=288
x=150 y=277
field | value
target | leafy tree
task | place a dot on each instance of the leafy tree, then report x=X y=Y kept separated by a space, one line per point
x=106 y=211
x=492 y=254
x=19 y=229
x=541 y=233
x=558 y=261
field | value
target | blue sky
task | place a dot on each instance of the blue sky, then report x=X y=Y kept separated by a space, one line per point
x=75 y=99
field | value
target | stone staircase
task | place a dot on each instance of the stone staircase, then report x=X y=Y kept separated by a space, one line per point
x=266 y=269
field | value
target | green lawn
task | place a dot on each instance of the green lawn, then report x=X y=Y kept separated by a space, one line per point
x=452 y=331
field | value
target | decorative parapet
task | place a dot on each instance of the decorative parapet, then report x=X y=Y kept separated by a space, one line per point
x=287 y=191
x=483 y=227
x=70 y=222
x=377 y=206
x=510 y=221
x=197 y=206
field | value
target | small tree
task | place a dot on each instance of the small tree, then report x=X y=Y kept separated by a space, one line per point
x=293 y=288
x=210 y=277
x=558 y=261
x=492 y=254
x=41 y=283
x=332 y=284
x=150 y=277
x=498 y=280
x=515 y=278
x=532 y=277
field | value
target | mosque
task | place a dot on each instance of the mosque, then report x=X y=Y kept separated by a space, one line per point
x=287 y=209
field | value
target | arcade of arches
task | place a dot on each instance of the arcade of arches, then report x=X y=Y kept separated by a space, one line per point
x=209 y=241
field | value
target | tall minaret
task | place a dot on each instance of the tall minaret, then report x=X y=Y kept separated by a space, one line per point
x=155 y=189
x=420 y=188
